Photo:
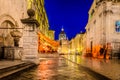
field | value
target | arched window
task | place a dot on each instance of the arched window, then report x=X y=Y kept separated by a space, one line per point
x=117 y=26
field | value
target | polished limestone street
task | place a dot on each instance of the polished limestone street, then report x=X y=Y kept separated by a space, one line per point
x=54 y=67
x=60 y=67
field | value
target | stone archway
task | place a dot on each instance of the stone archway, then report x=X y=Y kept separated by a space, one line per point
x=5 y=36
x=6 y=22
x=5 y=33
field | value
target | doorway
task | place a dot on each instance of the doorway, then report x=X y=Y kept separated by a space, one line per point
x=1 y=48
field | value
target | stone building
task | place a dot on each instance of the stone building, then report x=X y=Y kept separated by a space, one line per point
x=83 y=43
x=51 y=34
x=103 y=28
x=10 y=16
x=62 y=35
x=11 y=13
x=76 y=44
x=64 y=47
x=41 y=16
x=72 y=46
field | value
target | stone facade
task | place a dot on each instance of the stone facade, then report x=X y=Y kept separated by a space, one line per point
x=83 y=43
x=76 y=44
x=41 y=16
x=13 y=53
x=30 y=39
x=10 y=16
x=51 y=34
x=11 y=13
x=64 y=43
x=101 y=28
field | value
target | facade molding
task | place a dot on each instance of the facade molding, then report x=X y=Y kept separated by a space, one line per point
x=6 y=17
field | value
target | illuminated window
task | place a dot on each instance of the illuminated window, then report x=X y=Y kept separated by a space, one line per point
x=117 y=26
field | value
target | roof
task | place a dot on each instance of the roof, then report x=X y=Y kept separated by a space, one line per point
x=62 y=32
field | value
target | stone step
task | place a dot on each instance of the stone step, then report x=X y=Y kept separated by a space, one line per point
x=9 y=68
x=14 y=69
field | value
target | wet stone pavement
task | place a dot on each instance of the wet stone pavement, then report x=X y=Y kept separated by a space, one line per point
x=108 y=68
x=55 y=68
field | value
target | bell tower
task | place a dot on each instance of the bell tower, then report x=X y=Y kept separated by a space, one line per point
x=62 y=35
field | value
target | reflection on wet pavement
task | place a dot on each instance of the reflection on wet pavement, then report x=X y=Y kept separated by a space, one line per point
x=109 y=68
x=55 y=69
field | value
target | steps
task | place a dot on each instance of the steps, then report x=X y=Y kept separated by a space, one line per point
x=7 y=71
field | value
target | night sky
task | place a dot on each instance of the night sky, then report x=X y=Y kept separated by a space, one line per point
x=71 y=14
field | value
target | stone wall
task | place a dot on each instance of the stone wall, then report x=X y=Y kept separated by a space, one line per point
x=13 y=11
x=101 y=27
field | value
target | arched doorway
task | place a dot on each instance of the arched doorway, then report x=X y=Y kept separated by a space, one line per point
x=5 y=37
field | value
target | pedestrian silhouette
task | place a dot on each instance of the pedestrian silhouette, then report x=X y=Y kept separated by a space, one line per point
x=105 y=52
x=101 y=51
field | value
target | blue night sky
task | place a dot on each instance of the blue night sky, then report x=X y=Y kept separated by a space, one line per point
x=71 y=14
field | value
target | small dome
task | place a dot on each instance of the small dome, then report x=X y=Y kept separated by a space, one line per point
x=62 y=32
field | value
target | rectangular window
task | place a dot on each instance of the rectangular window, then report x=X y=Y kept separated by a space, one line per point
x=117 y=26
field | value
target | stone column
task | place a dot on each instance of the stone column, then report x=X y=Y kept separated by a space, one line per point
x=30 y=38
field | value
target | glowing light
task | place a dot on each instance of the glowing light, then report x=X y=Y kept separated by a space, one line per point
x=48 y=44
